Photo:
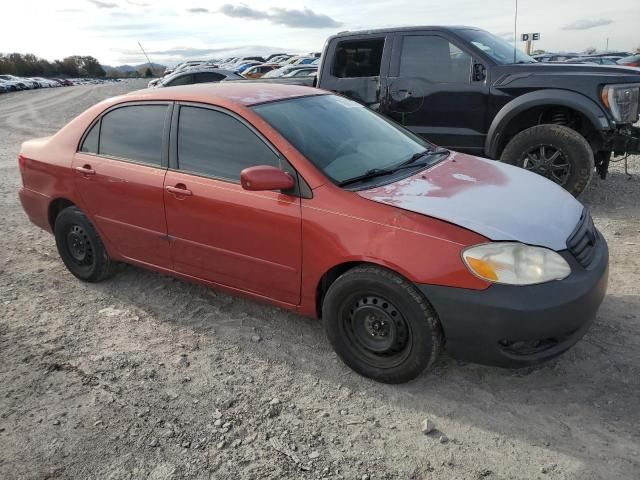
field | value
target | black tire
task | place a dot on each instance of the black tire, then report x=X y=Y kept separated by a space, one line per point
x=535 y=147
x=380 y=325
x=80 y=247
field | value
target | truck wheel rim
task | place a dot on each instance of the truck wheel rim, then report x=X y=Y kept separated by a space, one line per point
x=378 y=331
x=548 y=161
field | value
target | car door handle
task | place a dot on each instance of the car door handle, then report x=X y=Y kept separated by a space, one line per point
x=85 y=170
x=179 y=190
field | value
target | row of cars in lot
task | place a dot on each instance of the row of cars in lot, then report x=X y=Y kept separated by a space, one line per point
x=239 y=68
x=12 y=83
x=625 y=59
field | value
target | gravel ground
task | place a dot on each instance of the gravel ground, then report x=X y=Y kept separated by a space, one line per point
x=145 y=376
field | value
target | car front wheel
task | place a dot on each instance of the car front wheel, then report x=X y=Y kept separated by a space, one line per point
x=555 y=152
x=80 y=246
x=380 y=325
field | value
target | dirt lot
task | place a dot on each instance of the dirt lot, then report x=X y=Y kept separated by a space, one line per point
x=144 y=376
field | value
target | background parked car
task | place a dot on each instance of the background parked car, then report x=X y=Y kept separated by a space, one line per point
x=631 y=61
x=257 y=71
x=202 y=75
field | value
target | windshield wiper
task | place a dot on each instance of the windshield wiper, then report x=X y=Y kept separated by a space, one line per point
x=411 y=162
x=419 y=155
x=374 y=172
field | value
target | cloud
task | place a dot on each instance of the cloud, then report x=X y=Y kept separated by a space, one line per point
x=305 y=18
x=242 y=11
x=100 y=4
x=587 y=24
x=138 y=4
x=197 y=10
x=302 y=18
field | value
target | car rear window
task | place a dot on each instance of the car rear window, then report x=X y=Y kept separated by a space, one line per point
x=134 y=133
x=358 y=58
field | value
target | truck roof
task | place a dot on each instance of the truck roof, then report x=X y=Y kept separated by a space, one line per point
x=374 y=31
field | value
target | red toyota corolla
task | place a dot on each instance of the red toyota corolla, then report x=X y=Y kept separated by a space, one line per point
x=314 y=203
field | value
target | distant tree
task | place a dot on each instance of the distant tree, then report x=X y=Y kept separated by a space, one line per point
x=590 y=50
x=92 y=67
x=637 y=50
x=148 y=73
x=69 y=67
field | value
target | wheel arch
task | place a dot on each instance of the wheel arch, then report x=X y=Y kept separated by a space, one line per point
x=55 y=207
x=333 y=273
x=518 y=113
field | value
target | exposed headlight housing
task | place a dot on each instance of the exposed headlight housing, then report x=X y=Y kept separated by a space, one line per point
x=623 y=101
x=514 y=263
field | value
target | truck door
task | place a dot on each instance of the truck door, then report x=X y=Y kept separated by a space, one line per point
x=437 y=90
x=353 y=66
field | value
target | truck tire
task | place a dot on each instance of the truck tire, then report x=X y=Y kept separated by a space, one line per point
x=555 y=152
x=380 y=325
x=80 y=246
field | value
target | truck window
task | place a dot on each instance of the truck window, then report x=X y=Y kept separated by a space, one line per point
x=434 y=59
x=358 y=58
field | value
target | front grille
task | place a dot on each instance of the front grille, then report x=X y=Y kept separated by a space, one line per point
x=582 y=241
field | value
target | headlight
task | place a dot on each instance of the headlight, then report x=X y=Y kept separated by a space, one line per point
x=515 y=263
x=622 y=101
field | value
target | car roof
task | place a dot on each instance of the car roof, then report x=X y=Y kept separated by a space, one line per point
x=244 y=94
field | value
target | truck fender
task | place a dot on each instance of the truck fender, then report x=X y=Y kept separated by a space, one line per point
x=573 y=100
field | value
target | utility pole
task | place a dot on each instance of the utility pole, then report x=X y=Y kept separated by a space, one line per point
x=145 y=54
x=515 y=32
x=607 y=49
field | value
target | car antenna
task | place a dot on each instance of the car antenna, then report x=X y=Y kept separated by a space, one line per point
x=145 y=54
x=515 y=31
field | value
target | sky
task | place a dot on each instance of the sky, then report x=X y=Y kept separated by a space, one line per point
x=174 y=30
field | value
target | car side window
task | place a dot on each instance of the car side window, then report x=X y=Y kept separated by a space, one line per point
x=434 y=59
x=358 y=58
x=182 y=80
x=208 y=77
x=218 y=145
x=90 y=143
x=134 y=133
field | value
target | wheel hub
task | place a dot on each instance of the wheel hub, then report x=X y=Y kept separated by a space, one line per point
x=548 y=161
x=377 y=326
x=78 y=245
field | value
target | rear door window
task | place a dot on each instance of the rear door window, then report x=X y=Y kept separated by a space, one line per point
x=134 y=133
x=434 y=59
x=358 y=58
x=215 y=144
x=90 y=143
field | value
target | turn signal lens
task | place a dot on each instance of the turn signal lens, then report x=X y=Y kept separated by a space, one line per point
x=515 y=263
x=482 y=269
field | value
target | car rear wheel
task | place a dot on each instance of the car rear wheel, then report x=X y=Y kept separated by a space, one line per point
x=80 y=247
x=380 y=325
x=555 y=152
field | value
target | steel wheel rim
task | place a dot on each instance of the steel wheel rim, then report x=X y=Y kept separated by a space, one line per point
x=548 y=161
x=377 y=330
x=79 y=246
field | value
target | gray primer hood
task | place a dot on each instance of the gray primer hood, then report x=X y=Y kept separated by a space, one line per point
x=498 y=201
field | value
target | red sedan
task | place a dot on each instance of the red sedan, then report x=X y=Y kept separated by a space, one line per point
x=314 y=203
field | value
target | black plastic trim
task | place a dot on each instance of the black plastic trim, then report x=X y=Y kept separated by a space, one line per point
x=475 y=322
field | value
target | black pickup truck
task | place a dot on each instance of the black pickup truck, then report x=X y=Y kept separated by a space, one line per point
x=466 y=89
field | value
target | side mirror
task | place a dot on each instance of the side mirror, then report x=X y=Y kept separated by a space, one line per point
x=265 y=177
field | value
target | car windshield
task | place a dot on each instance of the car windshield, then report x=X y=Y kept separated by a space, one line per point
x=341 y=137
x=498 y=49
